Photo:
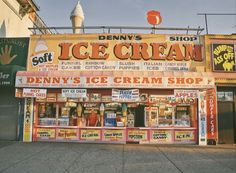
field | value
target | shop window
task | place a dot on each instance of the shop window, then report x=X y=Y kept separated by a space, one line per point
x=47 y=114
x=182 y=116
x=165 y=115
x=225 y=96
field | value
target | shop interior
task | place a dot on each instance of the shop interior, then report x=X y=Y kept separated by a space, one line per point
x=98 y=110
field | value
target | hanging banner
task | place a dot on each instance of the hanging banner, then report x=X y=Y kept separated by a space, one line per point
x=74 y=93
x=34 y=93
x=125 y=95
x=211 y=115
x=223 y=56
x=114 y=80
x=28 y=119
x=202 y=117
x=115 y=52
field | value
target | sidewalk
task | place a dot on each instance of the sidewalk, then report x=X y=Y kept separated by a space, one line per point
x=19 y=157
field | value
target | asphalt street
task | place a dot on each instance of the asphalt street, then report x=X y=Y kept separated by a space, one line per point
x=38 y=157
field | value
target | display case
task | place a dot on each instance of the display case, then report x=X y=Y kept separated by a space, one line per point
x=182 y=116
x=165 y=117
x=151 y=117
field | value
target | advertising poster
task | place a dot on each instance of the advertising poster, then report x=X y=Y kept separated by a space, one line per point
x=113 y=135
x=45 y=134
x=184 y=135
x=211 y=115
x=202 y=118
x=13 y=51
x=90 y=135
x=160 y=136
x=115 y=52
x=125 y=95
x=223 y=57
x=137 y=135
x=28 y=120
x=67 y=134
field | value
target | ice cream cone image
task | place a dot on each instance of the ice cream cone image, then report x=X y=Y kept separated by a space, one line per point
x=77 y=18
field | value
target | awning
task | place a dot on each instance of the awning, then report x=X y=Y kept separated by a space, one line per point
x=114 y=79
x=7 y=74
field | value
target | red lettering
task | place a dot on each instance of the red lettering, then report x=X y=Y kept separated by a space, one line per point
x=119 y=53
x=65 y=49
x=99 y=51
x=76 y=51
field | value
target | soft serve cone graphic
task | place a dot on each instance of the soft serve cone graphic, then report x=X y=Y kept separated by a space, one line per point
x=77 y=18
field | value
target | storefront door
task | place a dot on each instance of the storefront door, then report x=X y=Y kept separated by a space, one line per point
x=9 y=107
x=226 y=122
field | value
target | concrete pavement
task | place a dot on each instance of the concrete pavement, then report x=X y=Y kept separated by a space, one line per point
x=19 y=157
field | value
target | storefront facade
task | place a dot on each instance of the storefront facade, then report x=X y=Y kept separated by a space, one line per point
x=13 y=58
x=118 y=88
x=221 y=60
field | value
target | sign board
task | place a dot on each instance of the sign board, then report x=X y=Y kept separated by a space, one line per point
x=160 y=136
x=211 y=104
x=223 y=57
x=184 y=135
x=125 y=95
x=74 y=93
x=67 y=134
x=113 y=80
x=45 y=134
x=115 y=135
x=28 y=119
x=202 y=118
x=115 y=52
x=137 y=135
x=90 y=134
x=34 y=93
x=14 y=51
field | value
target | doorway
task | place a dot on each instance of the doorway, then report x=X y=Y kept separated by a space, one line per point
x=226 y=122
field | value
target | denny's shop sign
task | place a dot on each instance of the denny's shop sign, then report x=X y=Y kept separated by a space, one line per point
x=112 y=79
x=114 y=52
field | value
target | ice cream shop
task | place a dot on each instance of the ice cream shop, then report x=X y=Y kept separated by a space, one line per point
x=118 y=88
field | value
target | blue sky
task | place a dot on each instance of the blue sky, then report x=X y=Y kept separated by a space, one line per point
x=175 y=13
